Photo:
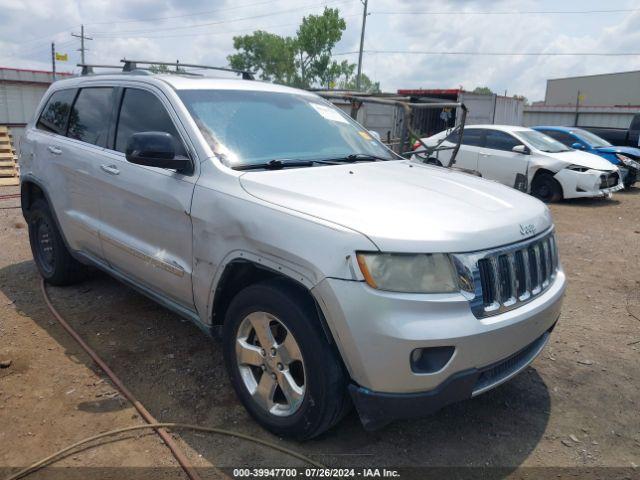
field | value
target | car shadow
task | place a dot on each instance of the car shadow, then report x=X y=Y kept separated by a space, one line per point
x=178 y=373
x=589 y=202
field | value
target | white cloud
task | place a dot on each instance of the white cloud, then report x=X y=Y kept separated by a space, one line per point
x=27 y=27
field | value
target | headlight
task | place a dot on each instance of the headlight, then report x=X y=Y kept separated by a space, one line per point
x=577 y=168
x=627 y=161
x=409 y=273
x=623 y=159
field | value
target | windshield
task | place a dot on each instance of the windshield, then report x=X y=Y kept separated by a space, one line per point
x=591 y=138
x=541 y=142
x=251 y=128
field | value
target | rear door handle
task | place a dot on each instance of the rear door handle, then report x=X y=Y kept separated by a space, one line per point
x=110 y=169
x=55 y=150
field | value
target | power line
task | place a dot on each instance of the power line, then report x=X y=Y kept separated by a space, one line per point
x=172 y=17
x=220 y=22
x=512 y=12
x=216 y=33
x=506 y=54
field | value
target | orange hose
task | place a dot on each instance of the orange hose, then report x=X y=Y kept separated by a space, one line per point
x=175 y=450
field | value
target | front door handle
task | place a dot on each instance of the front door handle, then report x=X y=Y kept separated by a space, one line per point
x=110 y=169
x=55 y=150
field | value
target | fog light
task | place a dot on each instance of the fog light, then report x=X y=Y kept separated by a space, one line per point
x=430 y=360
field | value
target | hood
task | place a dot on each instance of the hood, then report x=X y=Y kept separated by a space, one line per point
x=405 y=206
x=584 y=159
x=630 y=151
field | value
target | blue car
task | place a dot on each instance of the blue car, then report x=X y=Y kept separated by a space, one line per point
x=626 y=158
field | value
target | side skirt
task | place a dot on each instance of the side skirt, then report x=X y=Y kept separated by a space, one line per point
x=165 y=302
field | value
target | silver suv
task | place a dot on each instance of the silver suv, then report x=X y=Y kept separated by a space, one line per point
x=335 y=272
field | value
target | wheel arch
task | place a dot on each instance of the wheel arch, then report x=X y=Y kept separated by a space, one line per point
x=240 y=273
x=30 y=191
x=543 y=171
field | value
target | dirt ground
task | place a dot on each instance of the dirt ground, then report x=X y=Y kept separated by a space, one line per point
x=578 y=405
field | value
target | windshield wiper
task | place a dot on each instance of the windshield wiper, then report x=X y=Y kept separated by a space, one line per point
x=358 y=157
x=277 y=164
x=274 y=165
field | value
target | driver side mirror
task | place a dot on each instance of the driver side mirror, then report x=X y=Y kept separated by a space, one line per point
x=577 y=146
x=156 y=149
x=521 y=149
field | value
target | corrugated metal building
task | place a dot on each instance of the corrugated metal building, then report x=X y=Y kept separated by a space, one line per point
x=603 y=90
x=605 y=100
x=20 y=93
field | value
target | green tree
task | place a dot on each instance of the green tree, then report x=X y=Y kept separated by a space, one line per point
x=366 y=84
x=303 y=61
x=164 y=69
x=270 y=56
x=483 y=90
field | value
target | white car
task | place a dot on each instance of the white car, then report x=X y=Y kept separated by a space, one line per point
x=527 y=160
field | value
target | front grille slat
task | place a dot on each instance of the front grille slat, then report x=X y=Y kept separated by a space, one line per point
x=513 y=277
x=509 y=278
x=538 y=278
x=547 y=262
x=497 y=284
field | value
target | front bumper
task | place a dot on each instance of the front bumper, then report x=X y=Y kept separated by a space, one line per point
x=378 y=409
x=586 y=184
x=376 y=332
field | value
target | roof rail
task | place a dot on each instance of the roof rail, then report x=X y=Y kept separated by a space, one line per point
x=130 y=65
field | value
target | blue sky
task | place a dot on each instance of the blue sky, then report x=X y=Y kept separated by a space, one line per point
x=202 y=32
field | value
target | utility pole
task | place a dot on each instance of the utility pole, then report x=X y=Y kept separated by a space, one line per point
x=82 y=38
x=53 y=60
x=364 y=24
x=575 y=121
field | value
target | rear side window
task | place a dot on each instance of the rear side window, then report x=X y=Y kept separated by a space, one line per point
x=472 y=137
x=89 y=120
x=562 y=137
x=142 y=111
x=635 y=123
x=56 y=112
x=498 y=140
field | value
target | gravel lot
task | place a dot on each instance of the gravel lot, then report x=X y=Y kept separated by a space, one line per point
x=577 y=406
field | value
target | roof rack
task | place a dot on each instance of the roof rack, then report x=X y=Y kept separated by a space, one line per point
x=131 y=65
x=87 y=69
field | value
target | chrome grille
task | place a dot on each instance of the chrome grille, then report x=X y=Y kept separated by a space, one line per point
x=505 y=278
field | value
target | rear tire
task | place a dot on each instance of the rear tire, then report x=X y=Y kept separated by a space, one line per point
x=546 y=188
x=286 y=375
x=54 y=262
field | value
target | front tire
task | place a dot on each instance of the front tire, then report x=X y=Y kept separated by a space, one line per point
x=546 y=188
x=280 y=364
x=54 y=262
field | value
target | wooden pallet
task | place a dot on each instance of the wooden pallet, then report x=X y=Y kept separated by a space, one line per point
x=9 y=171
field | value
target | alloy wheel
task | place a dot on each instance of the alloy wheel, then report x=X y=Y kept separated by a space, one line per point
x=270 y=364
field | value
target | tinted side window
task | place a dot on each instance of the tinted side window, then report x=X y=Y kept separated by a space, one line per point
x=498 y=140
x=472 y=137
x=562 y=137
x=56 y=111
x=635 y=123
x=89 y=120
x=141 y=111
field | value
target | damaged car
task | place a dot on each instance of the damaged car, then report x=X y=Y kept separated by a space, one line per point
x=625 y=158
x=527 y=160
x=279 y=225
